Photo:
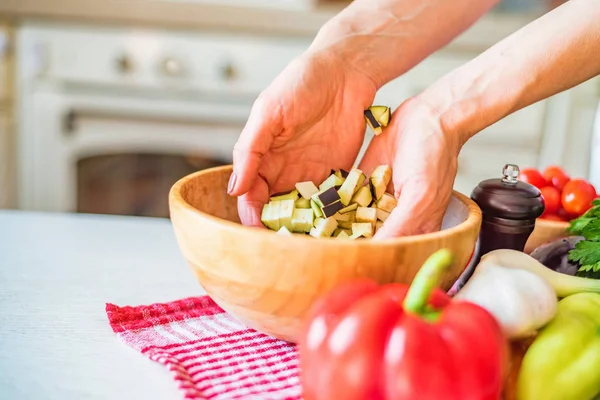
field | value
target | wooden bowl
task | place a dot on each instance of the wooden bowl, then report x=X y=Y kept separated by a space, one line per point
x=269 y=281
x=544 y=231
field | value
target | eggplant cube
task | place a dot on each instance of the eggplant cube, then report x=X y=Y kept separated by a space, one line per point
x=302 y=203
x=381 y=114
x=318 y=221
x=348 y=217
x=284 y=231
x=345 y=224
x=382 y=215
x=350 y=185
x=372 y=122
x=326 y=197
x=366 y=214
x=348 y=209
x=363 y=197
x=378 y=225
x=325 y=228
x=364 y=229
x=269 y=217
x=306 y=189
x=341 y=173
x=387 y=202
x=286 y=212
x=316 y=209
x=331 y=209
x=293 y=195
x=302 y=220
x=332 y=181
x=380 y=179
x=342 y=235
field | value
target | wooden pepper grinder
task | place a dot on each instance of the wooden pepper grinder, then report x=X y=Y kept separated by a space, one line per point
x=509 y=209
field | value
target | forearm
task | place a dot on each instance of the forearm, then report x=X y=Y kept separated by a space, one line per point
x=552 y=54
x=385 y=38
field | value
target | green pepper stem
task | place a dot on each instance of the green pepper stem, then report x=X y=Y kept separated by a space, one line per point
x=427 y=279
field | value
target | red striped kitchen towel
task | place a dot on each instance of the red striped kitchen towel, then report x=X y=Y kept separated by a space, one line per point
x=209 y=353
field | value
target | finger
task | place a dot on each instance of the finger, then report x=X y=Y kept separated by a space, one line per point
x=251 y=203
x=263 y=125
x=416 y=212
x=376 y=152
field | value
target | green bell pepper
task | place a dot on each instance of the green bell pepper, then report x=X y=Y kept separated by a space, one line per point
x=563 y=362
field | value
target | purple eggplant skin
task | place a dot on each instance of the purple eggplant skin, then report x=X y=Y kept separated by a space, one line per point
x=554 y=254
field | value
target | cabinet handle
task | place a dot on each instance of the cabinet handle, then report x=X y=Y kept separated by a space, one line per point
x=124 y=64
x=172 y=67
x=228 y=71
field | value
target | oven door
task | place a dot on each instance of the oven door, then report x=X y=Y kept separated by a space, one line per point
x=119 y=155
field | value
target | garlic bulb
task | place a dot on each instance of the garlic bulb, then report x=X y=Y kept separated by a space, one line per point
x=520 y=300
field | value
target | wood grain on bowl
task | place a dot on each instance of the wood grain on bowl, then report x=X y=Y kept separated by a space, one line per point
x=545 y=230
x=269 y=281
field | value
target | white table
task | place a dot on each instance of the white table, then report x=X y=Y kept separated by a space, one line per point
x=57 y=272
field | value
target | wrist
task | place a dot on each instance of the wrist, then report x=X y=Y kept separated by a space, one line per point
x=475 y=96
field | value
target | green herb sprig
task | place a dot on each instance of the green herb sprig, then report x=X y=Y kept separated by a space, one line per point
x=587 y=251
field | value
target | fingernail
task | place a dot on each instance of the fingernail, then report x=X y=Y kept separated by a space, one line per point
x=231 y=184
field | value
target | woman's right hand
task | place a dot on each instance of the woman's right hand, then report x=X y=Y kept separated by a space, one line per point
x=307 y=122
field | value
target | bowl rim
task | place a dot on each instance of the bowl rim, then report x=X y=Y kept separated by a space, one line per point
x=176 y=199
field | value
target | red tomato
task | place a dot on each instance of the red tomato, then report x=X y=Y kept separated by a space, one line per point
x=532 y=176
x=556 y=176
x=552 y=199
x=577 y=196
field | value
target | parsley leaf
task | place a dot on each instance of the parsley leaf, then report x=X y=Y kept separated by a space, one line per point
x=587 y=252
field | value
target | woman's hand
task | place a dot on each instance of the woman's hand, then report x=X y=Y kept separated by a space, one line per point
x=423 y=156
x=308 y=121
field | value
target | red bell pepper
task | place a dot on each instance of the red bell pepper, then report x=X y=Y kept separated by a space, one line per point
x=368 y=342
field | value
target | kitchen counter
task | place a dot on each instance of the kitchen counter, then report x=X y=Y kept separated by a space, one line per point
x=57 y=271
x=194 y=15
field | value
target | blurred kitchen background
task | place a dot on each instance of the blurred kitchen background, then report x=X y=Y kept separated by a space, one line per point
x=105 y=104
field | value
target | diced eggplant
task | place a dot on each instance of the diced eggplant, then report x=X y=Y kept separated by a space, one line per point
x=348 y=209
x=342 y=235
x=381 y=114
x=284 y=231
x=331 y=209
x=363 y=229
x=380 y=179
x=328 y=183
x=349 y=216
x=363 y=197
x=316 y=209
x=345 y=224
x=378 y=225
x=318 y=221
x=382 y=215
x=326 y=197
x=372 y=122
x=302 y=220
x=387 y=202
x=337 y=231
x=293 y=195
x=325 y=228
x=350 y=185
x=306 y=189
x=366 y=214
x=269 y=218
x=302 y=203
x=341 y=173
x=286 y=212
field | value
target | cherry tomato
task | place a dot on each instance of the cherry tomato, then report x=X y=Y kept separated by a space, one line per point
x=565 y=215
x=577 y=196
x=533 y=177
x=552 y=199
x=556 y=176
